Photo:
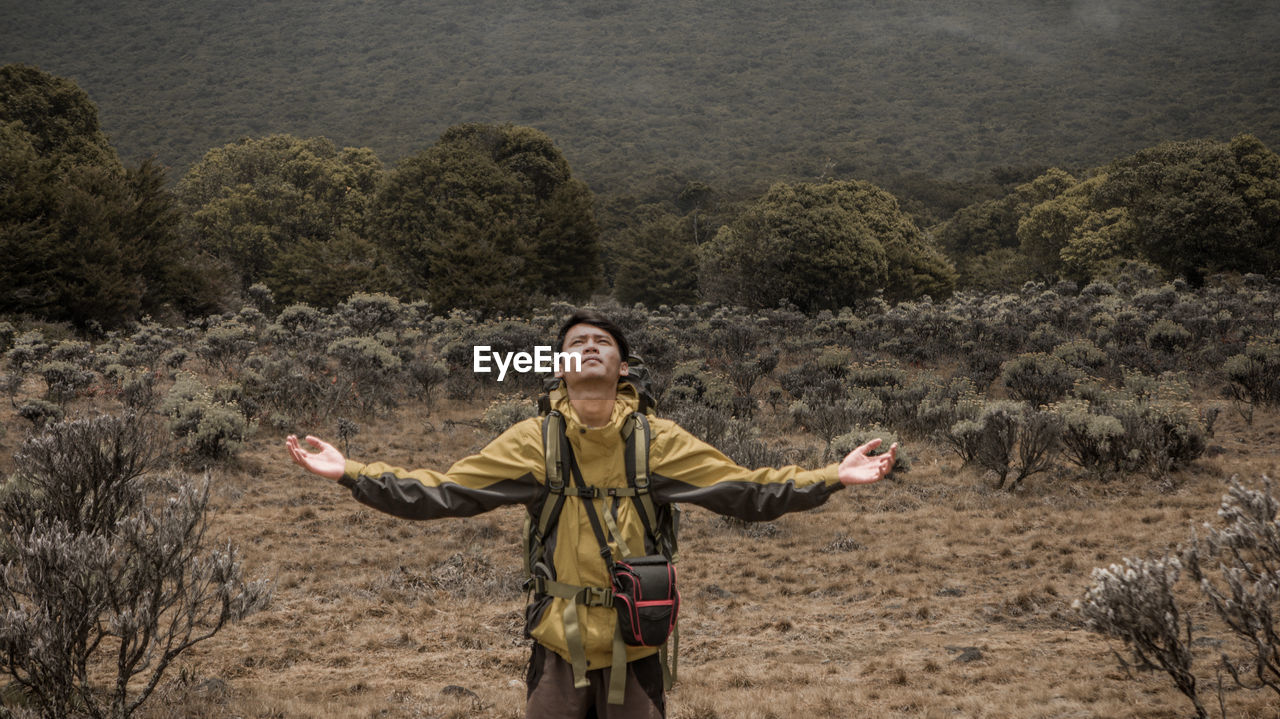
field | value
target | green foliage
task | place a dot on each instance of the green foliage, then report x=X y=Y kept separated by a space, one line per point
x=1200 y=207
x=656 y=262
x=490 y=218
x=57 y=115
x=290 y=213
x=981 y=238
x=821 y=246
x=90 y=242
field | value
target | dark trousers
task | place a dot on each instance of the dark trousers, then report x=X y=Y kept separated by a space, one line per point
x=553 y=696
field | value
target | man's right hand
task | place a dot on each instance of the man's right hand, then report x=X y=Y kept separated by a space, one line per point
x=328 y=462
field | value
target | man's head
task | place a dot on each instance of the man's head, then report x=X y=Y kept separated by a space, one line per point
x=601 y=343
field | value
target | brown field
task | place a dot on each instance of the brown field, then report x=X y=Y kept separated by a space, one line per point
x=926 y=595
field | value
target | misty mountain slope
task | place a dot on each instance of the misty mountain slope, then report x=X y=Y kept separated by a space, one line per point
x=740 y=94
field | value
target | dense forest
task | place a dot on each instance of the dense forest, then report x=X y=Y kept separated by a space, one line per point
x=641 y=95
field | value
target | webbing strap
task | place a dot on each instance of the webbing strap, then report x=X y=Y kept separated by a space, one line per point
x=623 y=549
x=618 y=672
x=587 y=596
x=577 y=649
x=669 y=657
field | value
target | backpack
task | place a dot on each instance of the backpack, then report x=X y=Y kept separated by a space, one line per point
x=661 y=523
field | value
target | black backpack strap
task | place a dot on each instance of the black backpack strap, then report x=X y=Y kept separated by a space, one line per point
x=606 y=553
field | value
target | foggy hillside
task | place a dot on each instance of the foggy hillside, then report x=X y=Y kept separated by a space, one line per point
x=731 y=93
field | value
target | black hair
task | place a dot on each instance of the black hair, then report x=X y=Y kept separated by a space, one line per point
x=595 y=319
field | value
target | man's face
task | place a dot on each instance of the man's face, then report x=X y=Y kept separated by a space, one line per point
x=601 y=358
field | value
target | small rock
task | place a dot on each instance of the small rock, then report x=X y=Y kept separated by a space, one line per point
x=967 y=654
x=453 y=690
x=715 y=590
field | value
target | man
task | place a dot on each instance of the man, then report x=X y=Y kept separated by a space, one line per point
x=575 y=651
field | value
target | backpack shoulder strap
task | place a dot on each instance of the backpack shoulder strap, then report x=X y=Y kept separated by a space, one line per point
x=660 y=525
x=553 y=443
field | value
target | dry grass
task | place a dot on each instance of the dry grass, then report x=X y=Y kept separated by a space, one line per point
x=926 y=596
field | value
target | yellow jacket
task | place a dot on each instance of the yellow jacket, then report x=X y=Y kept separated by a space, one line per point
x=511 y=470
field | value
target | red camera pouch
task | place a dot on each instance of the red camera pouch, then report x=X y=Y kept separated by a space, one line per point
x=645 y=595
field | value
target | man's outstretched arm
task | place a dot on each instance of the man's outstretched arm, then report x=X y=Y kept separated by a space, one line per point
x=507 y=471
x=686 y=469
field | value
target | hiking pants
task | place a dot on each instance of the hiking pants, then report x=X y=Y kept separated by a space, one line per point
x=553 y=696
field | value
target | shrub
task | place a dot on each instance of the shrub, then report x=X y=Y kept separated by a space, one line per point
x=1090 y=440
x=1234 y=569
x=506 y=411
x=1253 y=377
x=1082 y=354
x=694 y=382
x=38 y=412
x=741 y=442
x=944 y=405
x=1135 y=604
x=227 y=345
x=1247 y=589
x=829 y=418
x=206 y=428
x=1038 y=378
x=1010 y=439
x=28 y=350
x=92 y=560
x=368 y=372
x=64 y=380
x=369 y=314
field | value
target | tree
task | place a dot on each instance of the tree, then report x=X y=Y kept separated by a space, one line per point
x=1188 y=208
x=83 y=239
x=59 y=117
x=1201 y=206
x=821 y=247
x=979 y=237
x=656 y=262
x=288 y=212
x=490 y=218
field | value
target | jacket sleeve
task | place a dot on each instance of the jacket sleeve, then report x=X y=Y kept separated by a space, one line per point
x=507 y=471
x=686 y=469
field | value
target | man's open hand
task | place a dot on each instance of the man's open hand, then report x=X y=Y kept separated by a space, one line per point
x=328 y=462
x=859 y=468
